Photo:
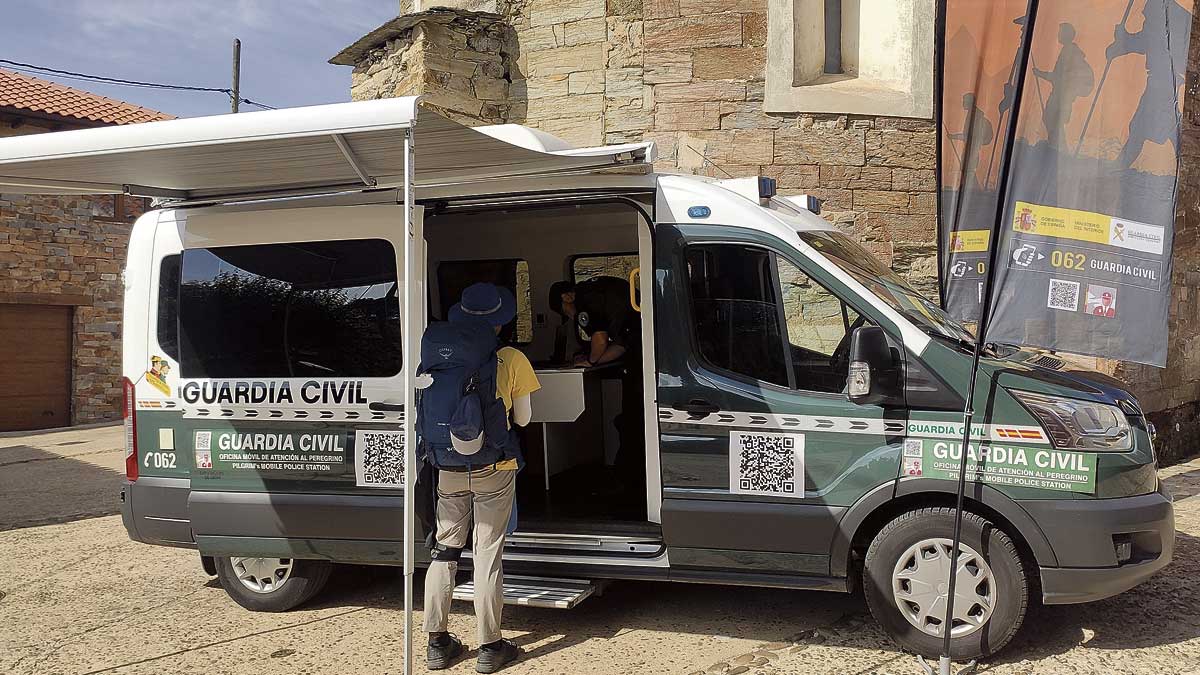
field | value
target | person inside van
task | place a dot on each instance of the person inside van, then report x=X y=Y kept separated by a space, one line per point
x=603 y=313
x=482 y=496
x=566 y=334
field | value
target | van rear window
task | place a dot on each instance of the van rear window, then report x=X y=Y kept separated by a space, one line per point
x=311 y=309
x=168 y=303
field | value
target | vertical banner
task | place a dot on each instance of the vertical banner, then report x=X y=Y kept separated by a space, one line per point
x=1085 y=257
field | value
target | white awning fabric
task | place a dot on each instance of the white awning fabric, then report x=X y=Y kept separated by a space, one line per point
x=342 y=146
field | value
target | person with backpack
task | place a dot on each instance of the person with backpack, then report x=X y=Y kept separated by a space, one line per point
x=464 y=422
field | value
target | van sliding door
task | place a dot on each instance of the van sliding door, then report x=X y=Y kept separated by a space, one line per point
x=761 y=450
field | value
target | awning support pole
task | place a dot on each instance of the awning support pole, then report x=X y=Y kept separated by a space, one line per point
x=410 y=409
x=354 y=163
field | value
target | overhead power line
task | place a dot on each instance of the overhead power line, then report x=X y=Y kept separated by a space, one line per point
x=34 y=69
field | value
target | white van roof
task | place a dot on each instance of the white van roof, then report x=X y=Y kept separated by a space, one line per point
x=342 y=146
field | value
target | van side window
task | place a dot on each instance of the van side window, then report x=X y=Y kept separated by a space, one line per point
x=735 y=310
x=311 y=309
x=455 y=275
x=584 y=267
x=818 y=326
x=168 y=306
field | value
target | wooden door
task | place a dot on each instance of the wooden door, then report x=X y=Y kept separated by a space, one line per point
x=35 y=366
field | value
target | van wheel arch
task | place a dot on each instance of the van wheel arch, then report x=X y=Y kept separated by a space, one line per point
x=868 y=516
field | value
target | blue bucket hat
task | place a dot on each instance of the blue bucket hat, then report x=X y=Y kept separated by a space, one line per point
x=487 y=302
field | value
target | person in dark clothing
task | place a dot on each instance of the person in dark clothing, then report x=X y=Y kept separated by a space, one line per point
x=566 y=335
x=603 y=313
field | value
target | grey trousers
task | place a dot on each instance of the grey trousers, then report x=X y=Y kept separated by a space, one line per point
x=484 y=497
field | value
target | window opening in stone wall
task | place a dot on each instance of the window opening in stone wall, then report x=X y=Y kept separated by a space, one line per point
x=833 y=37
x=851 y=56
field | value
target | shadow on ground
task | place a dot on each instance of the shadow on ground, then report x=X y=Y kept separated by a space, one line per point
x=38 y=487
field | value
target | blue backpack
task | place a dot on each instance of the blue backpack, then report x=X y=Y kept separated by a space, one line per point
x=461 y=408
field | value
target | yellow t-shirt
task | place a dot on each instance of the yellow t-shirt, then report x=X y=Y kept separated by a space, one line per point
x=514 y=378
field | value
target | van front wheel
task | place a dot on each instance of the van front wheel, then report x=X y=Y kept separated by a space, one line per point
x=905 y=577
x=271 y=584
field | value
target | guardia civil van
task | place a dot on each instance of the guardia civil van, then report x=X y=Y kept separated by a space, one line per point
x=275 y=298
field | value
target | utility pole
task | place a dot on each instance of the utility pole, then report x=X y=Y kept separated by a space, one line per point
x=237 y=74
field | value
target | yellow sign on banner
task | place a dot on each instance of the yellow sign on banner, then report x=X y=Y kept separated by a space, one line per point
x=1096 y=228
x=1053 y=221
x=969 y=241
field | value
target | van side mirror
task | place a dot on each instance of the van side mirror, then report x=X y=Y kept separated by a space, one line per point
x=874 y=377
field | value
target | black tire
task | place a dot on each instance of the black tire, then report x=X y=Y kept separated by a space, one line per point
x=998 y=551
x=307 y=578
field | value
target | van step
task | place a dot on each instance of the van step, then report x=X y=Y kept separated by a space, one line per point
x=538 y=591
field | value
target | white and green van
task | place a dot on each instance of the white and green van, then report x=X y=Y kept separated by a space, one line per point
x=274 y=300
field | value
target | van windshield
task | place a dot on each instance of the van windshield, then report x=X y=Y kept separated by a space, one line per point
x=886 y=284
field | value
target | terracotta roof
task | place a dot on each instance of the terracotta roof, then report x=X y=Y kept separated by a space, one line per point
x=25 y=92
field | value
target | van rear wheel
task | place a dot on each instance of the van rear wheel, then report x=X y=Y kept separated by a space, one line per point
x=271 y=584
x=905 y=577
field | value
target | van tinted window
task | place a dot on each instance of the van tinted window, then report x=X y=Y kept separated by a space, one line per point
x=313 y=309
x=736 y=311
x=168 y=305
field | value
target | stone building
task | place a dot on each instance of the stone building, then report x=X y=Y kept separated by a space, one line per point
x=804 y=91
x=61 y=291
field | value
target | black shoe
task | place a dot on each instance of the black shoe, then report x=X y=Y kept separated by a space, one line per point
x=495 y=655
x=440 y=654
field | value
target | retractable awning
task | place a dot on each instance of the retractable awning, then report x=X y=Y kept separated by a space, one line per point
x=342 y=146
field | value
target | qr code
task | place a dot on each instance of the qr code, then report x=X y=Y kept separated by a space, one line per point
x=1063 y=295
x=766 y=464
x=203 y=440
x=379 y=458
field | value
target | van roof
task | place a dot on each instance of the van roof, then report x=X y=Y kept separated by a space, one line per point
x=309 y=150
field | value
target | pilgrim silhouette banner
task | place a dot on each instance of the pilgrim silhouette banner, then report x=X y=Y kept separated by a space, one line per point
x=1084 y=263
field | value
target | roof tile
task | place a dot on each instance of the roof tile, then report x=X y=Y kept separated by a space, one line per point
x=25 y=92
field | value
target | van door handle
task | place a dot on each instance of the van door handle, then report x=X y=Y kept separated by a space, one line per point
x=381 y=406
x=698 y=406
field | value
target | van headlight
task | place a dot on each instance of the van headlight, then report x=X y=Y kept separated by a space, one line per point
x=1073 y=424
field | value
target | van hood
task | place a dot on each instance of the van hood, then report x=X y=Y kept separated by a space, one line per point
x=1048 y=374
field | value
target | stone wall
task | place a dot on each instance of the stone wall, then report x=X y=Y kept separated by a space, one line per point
x=63 y=248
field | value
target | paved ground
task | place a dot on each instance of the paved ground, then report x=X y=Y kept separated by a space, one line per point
x=76 y=596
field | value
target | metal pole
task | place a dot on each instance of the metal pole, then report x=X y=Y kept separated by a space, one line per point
x=410 y=408
x=993 y=257
x=236 y=96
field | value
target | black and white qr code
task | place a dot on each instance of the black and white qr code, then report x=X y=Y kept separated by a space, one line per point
x=379 y=458
x=1063 y=295
x=766 y=463
x=203 y=440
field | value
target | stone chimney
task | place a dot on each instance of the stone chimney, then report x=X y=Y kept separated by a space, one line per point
x=462 y=62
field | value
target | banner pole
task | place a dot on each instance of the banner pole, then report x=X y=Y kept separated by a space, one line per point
x=410 y=410
x=981 y=333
